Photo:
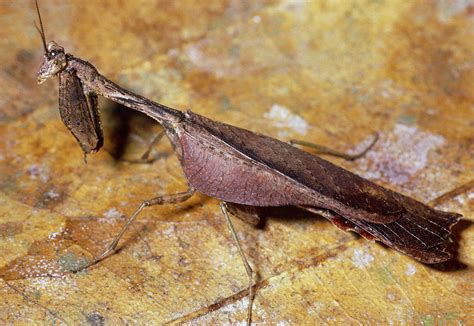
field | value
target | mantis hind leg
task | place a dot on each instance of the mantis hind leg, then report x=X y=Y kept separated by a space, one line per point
x=328 y=151
x=248 y=269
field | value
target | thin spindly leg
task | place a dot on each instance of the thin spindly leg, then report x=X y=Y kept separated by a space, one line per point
x=145 y=158
x=248 y=269
x=166 y=199
x=328 y=151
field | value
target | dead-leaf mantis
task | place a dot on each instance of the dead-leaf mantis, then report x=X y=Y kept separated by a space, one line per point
x=245 y=170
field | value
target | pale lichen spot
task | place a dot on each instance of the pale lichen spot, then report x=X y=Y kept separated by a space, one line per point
x=170 y=231
x=284 y=118
x=54 y=235
x=470 y=195
x=111 y=216
x=38 y=172
x=361 y=259
x=113 y=213
x=52 y=194
x=401 y=154
x=411 y=270
x=283 y=323
x=448 y=9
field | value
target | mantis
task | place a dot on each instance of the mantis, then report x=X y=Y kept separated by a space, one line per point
x=245 y=170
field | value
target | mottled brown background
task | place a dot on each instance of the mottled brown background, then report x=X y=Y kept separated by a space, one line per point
x=330 y=72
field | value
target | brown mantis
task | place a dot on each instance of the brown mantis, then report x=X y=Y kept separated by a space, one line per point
x=245 y=170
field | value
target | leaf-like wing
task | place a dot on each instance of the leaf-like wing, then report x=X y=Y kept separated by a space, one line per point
x=268 y=172
x=421 y=232
x=239 y=166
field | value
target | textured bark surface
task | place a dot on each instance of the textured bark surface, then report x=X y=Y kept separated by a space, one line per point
x=328 y=73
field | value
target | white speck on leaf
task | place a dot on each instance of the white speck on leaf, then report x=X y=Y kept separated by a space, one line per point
x=52 y=194
x=111 y=216
x=256 y=19
x=283 y=118
x=470 y=195
x=282 y=323
x=60 y=286
x=38 y=172
x=170 y=230
x=53 y=235
x=447 y=9
x=391 y=296
x=460 y=200
x=411 y=270
x=113 y=213
x=315 y=308
x=360 y=259
x=236 y=306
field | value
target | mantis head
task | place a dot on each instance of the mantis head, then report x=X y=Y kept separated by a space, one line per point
x=54 y=62
x=54 y=56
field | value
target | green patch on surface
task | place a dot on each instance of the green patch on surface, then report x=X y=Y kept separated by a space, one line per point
x=69 y=262
x=406 y=119
x=452 y=316
x=234 y=52
x=428 y=320
x=36 y=295
x=225 y=104
x=384 y=275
